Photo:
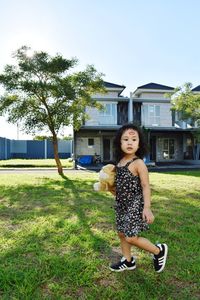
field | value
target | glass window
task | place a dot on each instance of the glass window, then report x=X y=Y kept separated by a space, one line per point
x=153 y=115
x=107 y=111
x=189 y=142
x=151 y=110
x=168 y=149
x=165 y=144
x=157 y=110
x=90 y=142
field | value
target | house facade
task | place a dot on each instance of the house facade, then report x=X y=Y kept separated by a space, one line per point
x=169 y=138
x=97 y=133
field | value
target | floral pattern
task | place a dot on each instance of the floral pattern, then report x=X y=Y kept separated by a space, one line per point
x=129 y=202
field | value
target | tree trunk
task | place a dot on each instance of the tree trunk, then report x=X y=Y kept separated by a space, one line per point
x=56 y=156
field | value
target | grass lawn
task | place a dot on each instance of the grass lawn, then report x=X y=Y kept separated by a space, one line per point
x=58 y=238
x=31 y=163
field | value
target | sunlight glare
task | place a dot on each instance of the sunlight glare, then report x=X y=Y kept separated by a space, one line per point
x=32 y=40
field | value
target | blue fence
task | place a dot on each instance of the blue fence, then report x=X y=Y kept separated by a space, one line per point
x=33 y=149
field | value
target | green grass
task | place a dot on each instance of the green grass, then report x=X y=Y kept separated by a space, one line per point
x=58 y=237
x=31 y=163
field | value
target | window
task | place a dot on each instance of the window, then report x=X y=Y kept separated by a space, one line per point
x=189 y=142
x=90 y=142
x=178 y=116
x=154 y=115
x=107 y=111
x=168 y=149
x=107 y=116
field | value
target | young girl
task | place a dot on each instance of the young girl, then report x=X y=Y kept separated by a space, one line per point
x=133 y=199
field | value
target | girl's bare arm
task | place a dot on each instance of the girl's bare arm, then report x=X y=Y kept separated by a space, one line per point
x=140 y=168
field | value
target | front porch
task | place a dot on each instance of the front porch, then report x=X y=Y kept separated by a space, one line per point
x=172 y=146
x=166 y=145
x=96 y=143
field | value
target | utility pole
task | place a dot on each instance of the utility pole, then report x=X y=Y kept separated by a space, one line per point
x=17 y=131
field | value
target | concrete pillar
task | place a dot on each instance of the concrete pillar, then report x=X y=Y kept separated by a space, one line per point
x=45 y=148
x=6 y=149
x=130 y=108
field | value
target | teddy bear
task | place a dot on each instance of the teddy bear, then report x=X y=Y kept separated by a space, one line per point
x=106 y=178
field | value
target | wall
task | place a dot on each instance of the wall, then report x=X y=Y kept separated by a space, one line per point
x=153 y=96
x=82 y=147
x=106 y=95
x=33 y=149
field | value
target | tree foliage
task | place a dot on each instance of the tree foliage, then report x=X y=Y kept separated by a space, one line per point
x=42 y=94
x=186 y=102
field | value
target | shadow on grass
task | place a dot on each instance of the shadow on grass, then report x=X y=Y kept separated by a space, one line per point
x=50 y=230
x=53 y=198
x=58 y=236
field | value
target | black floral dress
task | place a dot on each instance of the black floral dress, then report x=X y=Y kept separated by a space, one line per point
x=129 y=202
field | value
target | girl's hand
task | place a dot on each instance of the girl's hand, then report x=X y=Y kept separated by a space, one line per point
x=147 y=215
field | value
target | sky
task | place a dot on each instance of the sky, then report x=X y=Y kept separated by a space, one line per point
x=132 y=42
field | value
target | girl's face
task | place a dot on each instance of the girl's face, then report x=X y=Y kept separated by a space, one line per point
x=130 y=141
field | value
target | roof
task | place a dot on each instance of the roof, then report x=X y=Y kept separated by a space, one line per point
x=113 y=85
x=116 y=87
x=155 y=86
x=196 y=89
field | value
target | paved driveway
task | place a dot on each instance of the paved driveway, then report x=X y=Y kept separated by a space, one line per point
x=83 y=170
x=39 y=171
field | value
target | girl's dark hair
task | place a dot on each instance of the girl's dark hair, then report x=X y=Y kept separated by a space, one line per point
x=142 y=150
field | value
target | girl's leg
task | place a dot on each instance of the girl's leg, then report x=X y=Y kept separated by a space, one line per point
x=143 y=243
x=125 y=246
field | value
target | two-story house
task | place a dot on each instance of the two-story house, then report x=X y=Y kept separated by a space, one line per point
x=97 y=134
x=169 y=139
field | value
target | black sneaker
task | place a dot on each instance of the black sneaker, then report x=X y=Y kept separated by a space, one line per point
x=123 y=265
x=160 y=259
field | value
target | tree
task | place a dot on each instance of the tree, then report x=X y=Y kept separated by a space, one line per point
x=42 y=94
x=187 y=103
x=42 y=138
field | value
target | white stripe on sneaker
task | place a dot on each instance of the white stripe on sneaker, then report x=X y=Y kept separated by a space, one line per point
x=162 y=260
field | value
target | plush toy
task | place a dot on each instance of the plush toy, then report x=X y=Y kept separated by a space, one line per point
x=106 y=179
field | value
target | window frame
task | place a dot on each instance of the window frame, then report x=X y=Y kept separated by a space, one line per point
x=92 y=144
x=153 y=119
x=104 y=112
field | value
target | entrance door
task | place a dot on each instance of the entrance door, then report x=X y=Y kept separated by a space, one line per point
x=153 y=148
x=106 y=149
x=168 y=149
